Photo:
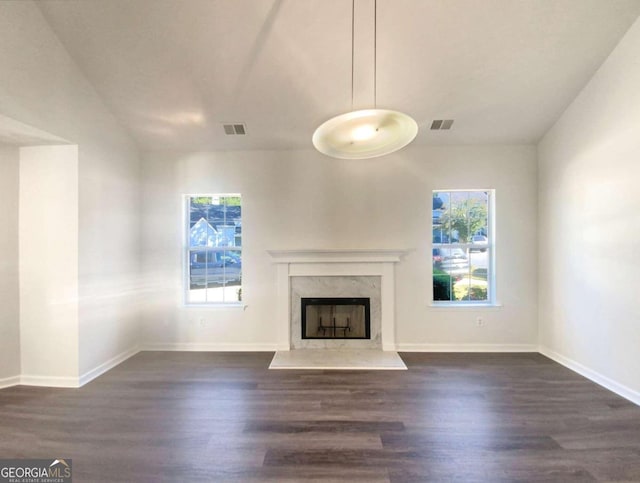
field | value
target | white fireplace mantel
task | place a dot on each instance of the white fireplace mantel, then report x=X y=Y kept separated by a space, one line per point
x=337 y=256
x=338 y=262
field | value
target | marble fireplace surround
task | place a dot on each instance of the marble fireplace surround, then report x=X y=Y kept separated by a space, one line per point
x=334 y=286
x=336 y=263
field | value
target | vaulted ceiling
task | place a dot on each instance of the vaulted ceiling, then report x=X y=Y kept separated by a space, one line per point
x=173 y=70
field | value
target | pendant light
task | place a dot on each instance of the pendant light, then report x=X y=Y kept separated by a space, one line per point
x=366 y=133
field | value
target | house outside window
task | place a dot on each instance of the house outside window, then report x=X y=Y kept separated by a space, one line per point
x=213 y=253
x=463 y=247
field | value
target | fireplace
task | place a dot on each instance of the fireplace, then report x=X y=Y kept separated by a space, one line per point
x=355 y=297
x=335 y=318
x=331 y=273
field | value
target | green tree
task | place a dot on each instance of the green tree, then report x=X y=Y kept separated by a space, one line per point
x=231 y=200
x=201 y=200
x=465 y=218
x=224 y=200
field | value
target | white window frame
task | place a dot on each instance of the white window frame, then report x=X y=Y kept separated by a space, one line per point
x=187 y=249
x=491 y=254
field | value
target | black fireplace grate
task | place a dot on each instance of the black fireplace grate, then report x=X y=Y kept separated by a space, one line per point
x=336 y=318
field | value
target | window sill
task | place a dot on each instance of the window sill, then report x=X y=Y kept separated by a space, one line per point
x=457 y=306
x=216 y=306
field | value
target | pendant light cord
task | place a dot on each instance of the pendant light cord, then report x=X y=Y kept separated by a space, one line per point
x=375 y=53
x=353 y=28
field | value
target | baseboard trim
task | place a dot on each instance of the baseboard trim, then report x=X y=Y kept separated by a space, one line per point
x=9 y=382
x=604 y=381
x=200 y=347
x=466 y=348
x=49 y=381
x=106 y=366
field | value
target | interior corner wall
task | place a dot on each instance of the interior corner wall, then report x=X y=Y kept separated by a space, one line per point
x=9 y=280
x=589 y=226
x=302 y=199
x=48 y=254
x=42 y=86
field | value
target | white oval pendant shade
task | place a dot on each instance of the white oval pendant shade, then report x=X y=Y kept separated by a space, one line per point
x=368 y=133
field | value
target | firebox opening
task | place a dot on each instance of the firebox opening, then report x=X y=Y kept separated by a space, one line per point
x=336 y=318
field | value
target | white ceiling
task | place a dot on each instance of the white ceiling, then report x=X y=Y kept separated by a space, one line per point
x=173 y=70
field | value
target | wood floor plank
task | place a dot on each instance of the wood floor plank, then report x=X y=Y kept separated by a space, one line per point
x=466 y=441
x=324 y=426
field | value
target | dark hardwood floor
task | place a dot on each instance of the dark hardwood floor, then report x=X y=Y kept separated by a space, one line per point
x=172 y=416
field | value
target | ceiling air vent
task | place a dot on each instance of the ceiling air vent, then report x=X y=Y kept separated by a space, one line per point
x=441 y=124
x=239 y=129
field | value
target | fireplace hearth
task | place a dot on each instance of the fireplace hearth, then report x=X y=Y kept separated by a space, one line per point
x=336 y=318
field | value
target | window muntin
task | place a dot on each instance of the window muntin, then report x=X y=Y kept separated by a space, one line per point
x=213 y=249
x=462 y=251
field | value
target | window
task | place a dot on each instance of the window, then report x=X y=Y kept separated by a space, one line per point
x=213 y=249
x=463 y=249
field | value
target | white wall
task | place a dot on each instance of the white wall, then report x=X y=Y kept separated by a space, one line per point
x=43 y=87
x=48 y=257
x=301 y=199
x=589 y=225
x=9 y=290
x=109 y=256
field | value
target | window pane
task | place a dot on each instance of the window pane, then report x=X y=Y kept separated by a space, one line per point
x=233 y=221
x=215 y=221
x=215 y=265
x=459 y=215
x=441 y=232
x=479 y=214
x=232 y=263
x=440 y=220
x=450 y=265
x=215 y=276
x=461 y=273
x=197 y=276
x=441 y=281
x=472 y=287
x=201 y=233
x=454 y=261
x=478 y=283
